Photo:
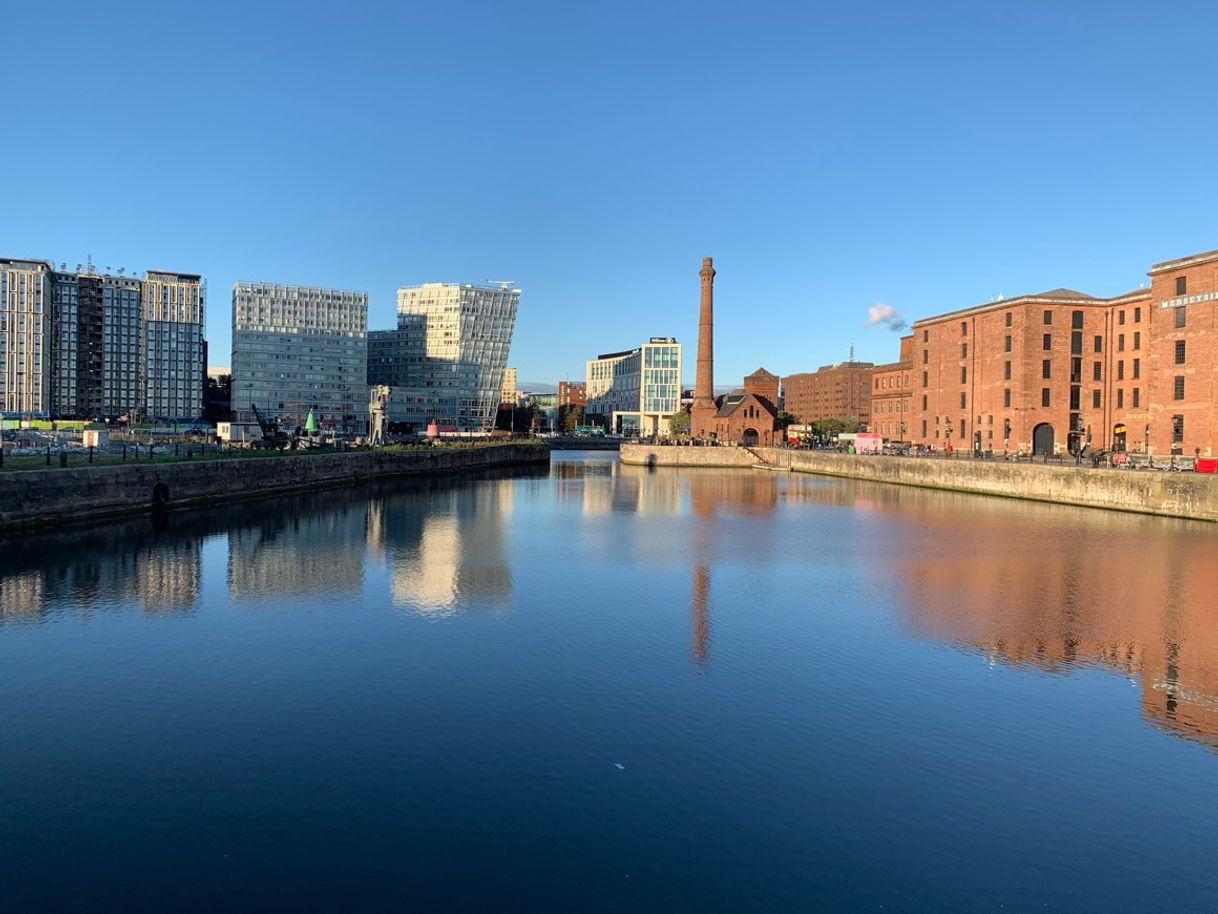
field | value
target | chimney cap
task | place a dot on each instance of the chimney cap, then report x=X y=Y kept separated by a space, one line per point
x=706 y=261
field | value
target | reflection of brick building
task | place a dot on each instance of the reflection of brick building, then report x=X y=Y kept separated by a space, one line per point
x=1111 y=590
x=1056 y=370
x=891 y=396
x=841 y=391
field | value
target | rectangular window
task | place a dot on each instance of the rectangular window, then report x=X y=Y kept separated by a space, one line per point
x=963 y=404
x=925 y=379
x=1097 y=371
x=924 y=404
x=925 y=336
x=1120 y=398
x=1046 y=369
x=1048 y=318
x=964 y=328
x=1178 y=388
x=1006 y=371
x=1075 y=398
x=923 y=428
x=1137 y=315
x=1006 y=344
x=963 y=374
x=925 y=356
x=1099 y=344
x=1044 y=396
x=1180 y=317
x=1179 y=352
x=1137 y=339
x=1177 y=429
x=1006 y=397
x=1120 y=342
x=1095 y=399
x=1008 y=318
x=1076 y=343
x=1047 y=341
x=1181 y=285
x=1121 y=318
x=1137 y=397
x=1137 y=369
x=1076 y=320
x=1121 y=370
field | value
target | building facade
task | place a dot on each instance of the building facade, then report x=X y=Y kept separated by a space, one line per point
x=891 y=396
x=445 y=362
x=841 y=391
x=90 y=345
x=174 y=368
x=26 y=329
x=298 y=349
x=638 y=390
x=763 y=384
x=511 y=389
x=1057 y=371
x=573 y=393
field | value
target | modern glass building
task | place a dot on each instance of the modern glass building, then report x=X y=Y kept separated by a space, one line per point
x=299 y=348
x=636 y=390
x=445 y=361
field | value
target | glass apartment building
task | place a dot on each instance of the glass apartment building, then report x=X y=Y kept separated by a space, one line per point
x=299 y=348
x=445 y=362
x=636 y=390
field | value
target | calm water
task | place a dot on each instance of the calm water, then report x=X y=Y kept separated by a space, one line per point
x=823 y=695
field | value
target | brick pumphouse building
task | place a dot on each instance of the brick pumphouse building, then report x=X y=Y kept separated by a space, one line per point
x=1059 y=370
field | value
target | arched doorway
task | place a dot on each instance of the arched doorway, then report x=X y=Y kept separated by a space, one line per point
x=751 y=438
x=1042 y=439
x=1118 y=437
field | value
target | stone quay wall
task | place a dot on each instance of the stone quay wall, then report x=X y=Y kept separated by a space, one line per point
x=46 y=497
x=1187 y=495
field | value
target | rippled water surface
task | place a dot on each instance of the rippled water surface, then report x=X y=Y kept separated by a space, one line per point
x=607 y=689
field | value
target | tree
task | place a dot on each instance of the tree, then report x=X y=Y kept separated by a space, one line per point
x=678 y=424
x=570 y=417
x=784 y=419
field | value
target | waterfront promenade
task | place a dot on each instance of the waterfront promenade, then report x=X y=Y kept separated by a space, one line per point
x=1187 y=495
x=49 y=497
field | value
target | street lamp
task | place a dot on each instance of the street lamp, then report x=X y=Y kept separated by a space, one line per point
x=949 y=435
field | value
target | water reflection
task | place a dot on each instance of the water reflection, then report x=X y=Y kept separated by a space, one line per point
x=1031 y=586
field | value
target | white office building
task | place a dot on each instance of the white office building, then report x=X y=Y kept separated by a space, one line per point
x=300 y=348
x=25 y=337
x=445 y=361
x=636 y=390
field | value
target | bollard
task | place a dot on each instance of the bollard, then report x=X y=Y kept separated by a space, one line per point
x=90 y=453
x=124 y=453
x=48 y=455
x=63 y=459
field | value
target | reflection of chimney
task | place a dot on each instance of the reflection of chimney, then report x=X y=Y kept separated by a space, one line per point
x=703 y=409
x=700 y=614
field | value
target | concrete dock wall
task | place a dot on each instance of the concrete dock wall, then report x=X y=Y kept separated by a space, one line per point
x=1187 y=495
x=39 y=497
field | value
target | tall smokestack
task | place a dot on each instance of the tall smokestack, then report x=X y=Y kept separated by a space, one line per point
x=702 y=410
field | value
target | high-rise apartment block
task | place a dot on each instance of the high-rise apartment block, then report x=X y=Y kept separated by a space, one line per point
x=298 y=349
x=511 y=390
x=445 y=361
x=26 y=325
x=88 y=345
x=636 y=390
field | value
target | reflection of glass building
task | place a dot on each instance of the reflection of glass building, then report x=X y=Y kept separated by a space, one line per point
x=448 y=551
x=446 y=359
x=637 y=390
x=296 y=349
x=297 y=554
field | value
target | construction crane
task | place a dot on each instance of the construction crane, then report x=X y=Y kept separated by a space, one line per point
x=272 y=435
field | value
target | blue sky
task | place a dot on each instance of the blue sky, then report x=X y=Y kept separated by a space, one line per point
x=829 y=156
